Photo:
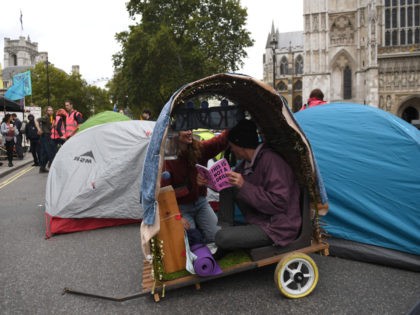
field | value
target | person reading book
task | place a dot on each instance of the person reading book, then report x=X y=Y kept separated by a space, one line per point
x=216 y=175
x=190 y=188
x=266 y=191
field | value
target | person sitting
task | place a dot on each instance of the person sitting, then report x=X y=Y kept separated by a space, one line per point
x=266 y=191
x=182 y=174
x=315 y=98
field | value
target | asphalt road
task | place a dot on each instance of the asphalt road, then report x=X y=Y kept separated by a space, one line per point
x=34 y=271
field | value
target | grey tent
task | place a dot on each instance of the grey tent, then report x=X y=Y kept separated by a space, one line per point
x=94 y=180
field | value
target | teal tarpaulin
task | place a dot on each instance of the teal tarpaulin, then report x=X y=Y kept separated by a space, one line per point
x=370 y=163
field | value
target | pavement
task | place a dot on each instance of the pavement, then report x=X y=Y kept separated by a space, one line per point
x=17 y=164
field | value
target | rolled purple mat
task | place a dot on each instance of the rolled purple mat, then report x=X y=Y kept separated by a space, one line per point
x=205 y=265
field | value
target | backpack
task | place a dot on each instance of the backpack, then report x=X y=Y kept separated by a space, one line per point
x=32 y=132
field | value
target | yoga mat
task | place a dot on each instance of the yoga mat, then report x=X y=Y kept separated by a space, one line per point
x=205 y=265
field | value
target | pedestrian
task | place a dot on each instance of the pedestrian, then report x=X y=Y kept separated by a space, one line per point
x=146 y=115
x=73 y=119
x=58 y=131
x=9 y=133
x=44 y=125
x=266 y=191
x=18 y=145
x=32 y=135
x=315 y=98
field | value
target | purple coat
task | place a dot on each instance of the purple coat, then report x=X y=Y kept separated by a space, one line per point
x=272 y=192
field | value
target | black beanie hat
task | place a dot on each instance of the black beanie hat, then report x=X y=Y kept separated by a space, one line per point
x=244 y=134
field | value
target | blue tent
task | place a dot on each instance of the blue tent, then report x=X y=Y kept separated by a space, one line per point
x=370 y=163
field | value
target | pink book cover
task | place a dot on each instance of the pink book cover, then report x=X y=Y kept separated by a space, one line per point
x=216 y=174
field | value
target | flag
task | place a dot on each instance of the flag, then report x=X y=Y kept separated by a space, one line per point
x=25 y=78
x=22 y=86
x=15 y=92
x=21 y=20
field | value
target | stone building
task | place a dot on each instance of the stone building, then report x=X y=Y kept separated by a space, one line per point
x=363 y=51
x=287 y=65
x=19 y=56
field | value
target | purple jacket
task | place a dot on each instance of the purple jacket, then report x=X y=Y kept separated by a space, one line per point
x=272 y=192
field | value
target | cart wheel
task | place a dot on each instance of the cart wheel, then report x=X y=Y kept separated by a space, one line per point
x=296 y=275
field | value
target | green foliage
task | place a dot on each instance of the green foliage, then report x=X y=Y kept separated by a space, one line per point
x=174 y=43
x=86 y=99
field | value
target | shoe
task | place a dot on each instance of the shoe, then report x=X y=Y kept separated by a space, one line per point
x=1 y=163
x=43 y=170
x=220 y=253
x=10 y=164
x=212 y=248
x=35 y=164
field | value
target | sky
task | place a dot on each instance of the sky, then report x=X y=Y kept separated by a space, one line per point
x=83 y=32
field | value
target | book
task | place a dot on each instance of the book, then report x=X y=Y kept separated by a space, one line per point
x=216 y=174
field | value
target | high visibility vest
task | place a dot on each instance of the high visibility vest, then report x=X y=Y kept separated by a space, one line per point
x=54 y=133
x=71 y=124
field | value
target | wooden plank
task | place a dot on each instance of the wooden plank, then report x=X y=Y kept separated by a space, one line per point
x=315 y=247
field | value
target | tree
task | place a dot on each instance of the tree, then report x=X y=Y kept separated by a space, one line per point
x=174 y=43
x=87 y=99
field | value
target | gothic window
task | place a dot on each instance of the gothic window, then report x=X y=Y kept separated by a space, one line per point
x=299 y=65
x=402 y=17
x=402 y=37
x=14 y=60
x=394 y=17
x=387 y=38
x=297 y=103
x=347 y=83
x=284 y=66
x=401 y=20
x=417 y=36
x=387 y=19
x=394 y=38
x=297 y=85
x=409 y=16
x=282 y=86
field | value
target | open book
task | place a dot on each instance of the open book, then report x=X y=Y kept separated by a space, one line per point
x=216 y=174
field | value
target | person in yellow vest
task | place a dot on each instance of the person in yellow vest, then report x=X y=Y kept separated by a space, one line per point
x=73 y=119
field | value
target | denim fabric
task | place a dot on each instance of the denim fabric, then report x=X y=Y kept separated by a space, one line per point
x=47 y=150
x=200 y=215
x=151 y=166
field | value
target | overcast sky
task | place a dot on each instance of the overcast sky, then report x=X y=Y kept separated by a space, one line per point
x=82 y=32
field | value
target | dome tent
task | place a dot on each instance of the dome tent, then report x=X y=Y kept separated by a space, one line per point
x=369 y=160
x=94 y=178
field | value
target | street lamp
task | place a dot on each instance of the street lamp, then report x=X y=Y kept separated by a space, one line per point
x=48 y=82
x=273 y=44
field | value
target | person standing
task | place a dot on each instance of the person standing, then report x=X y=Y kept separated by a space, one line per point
x=315 y=98
x=58 y=130
x=32 y=135
x=18 y=145
x=9 y=133
x=44 y=125
x=73 y=119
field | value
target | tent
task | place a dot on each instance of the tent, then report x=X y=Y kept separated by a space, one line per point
x=9 y=105
x=369 y=160
x=94 y=180
x=102 y=118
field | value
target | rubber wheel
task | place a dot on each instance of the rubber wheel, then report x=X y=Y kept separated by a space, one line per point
x=296 y=275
